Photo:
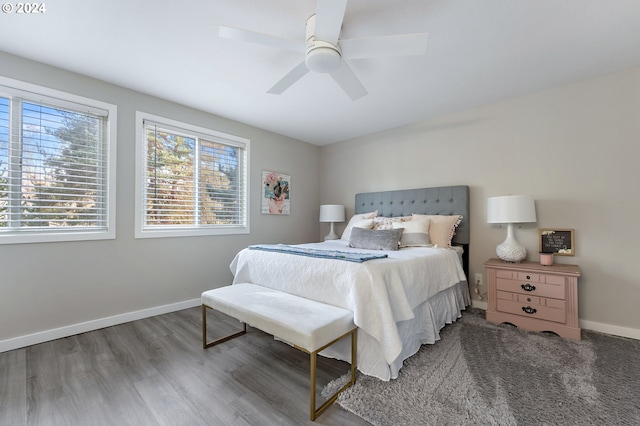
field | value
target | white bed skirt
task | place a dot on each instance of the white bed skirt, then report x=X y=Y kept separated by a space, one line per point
x=430 y=317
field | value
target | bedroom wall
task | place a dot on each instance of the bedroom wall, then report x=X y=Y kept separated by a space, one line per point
x=47 y=286
x=573 y=148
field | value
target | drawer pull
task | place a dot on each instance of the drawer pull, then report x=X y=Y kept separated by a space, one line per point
x=528 y=277
x=528 y=287
x=529 y=310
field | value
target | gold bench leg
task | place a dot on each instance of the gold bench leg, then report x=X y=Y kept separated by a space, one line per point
x=313 y=412
x=206 y=344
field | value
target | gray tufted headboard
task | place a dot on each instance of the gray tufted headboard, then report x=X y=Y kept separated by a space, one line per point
x=445 y=200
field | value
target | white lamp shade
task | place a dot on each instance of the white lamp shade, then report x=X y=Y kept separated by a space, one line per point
x=331 y=213
x=511 y=209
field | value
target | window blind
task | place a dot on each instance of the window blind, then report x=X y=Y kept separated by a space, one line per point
x=53 y=164
x=192 y=179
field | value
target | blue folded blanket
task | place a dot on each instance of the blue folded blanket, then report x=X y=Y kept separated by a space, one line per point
x=325 y=254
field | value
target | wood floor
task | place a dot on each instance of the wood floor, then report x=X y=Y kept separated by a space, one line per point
x=155 y=372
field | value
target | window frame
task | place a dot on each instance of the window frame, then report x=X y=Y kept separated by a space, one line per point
x=157 y=231
x=41 y=95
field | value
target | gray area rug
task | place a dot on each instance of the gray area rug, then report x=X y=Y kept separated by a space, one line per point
x=485 y=374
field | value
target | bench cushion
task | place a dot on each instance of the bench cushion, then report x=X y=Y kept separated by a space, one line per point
x=294 y=319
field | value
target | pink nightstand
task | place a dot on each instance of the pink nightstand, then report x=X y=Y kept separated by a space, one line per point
x=534 y=297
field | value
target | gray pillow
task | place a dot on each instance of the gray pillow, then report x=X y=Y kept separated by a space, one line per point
x=375 y=239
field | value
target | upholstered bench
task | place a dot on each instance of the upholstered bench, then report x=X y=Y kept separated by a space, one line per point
x=308 y=325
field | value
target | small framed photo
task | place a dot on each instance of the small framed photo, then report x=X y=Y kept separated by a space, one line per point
x=559 y=241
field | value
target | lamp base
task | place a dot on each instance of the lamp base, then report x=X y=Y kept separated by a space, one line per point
x=332 y=235
x=511 y=253
x=510 y=250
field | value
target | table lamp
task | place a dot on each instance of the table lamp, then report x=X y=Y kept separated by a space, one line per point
x=331 y=213
x=511 y=209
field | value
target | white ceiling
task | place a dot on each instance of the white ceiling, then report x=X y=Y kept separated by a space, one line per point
x=479 y=51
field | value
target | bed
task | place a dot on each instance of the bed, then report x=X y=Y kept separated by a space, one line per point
x=400 y=301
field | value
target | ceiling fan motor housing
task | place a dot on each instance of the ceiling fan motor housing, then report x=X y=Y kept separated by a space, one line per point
x=321 y=56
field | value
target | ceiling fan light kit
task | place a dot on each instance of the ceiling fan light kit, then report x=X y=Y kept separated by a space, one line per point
x=323 y=58
x=323 y=52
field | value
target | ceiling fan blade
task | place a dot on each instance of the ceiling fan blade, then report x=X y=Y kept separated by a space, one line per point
x=264 y=39
x=329 y=16
x=398 y=45
x=292 y=76
x=346 y=78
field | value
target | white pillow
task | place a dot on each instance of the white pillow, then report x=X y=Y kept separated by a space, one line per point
x=364 y=220
x=415 y=234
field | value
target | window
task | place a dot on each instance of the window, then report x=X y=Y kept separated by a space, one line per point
x=57 y=162
x=190 y=180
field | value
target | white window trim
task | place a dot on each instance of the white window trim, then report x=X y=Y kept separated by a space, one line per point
x=141 y=154
x=41 y=94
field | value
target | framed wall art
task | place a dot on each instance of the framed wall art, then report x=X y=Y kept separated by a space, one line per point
x=276 y=193
x=558 y=241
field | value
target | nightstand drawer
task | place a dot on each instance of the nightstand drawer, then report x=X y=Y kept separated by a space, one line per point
x=532 y=310
x=530 y=277
x=520 y=298
x=526 y=299
x=556 y=291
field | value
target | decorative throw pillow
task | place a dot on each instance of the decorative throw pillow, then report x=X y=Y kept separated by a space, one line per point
x=381 y=222
x=374 y=239
x=359 y=219
x=415 y=233
x=442 y=228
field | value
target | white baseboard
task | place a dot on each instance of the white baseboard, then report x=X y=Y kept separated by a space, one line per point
x=632 y=333
x=83 y=327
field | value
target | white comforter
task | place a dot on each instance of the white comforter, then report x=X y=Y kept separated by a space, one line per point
x=380 y=292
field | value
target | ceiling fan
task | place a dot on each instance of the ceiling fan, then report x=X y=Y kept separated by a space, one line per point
x=325 y=52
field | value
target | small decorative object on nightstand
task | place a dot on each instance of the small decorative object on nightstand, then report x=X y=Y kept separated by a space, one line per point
x=546 y=259
x=533 y=296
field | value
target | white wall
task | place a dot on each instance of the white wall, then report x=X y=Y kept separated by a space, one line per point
x=575 y=148
x=48 y=286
